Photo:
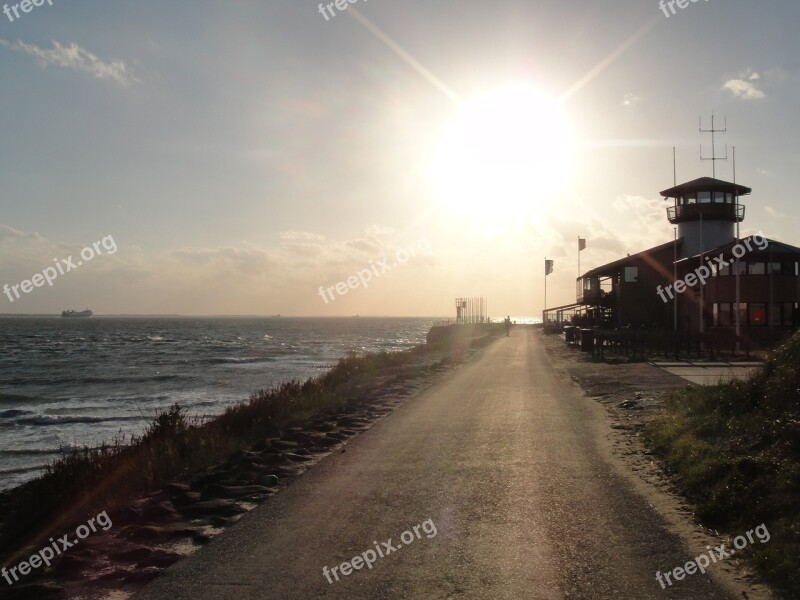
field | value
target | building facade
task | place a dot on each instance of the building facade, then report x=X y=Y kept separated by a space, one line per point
x=705 y=280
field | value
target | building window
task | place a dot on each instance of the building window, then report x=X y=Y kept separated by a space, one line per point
x=690 y=199
x=756 y=268
x=788 y=314
x=719 y=197
x=726 y=270
x=631 y=274
x=739 y=268
x=774 y=268
x=775 y=319
x=724 y=315
x=758 y=314
x=728 y=198
x=704 y=197
x=742 y=313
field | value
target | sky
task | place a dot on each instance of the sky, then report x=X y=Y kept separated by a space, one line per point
x=245 y=158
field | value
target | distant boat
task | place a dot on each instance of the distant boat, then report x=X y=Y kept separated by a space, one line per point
x=72 y=314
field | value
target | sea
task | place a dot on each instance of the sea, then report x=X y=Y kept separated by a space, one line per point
x=70 y=383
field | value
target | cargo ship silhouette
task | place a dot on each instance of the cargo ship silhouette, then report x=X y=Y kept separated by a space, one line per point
x=73 y=314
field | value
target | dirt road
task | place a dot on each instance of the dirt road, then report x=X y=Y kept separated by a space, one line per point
x=505 y=460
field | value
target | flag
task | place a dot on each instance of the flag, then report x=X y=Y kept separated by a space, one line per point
x=548 y=267
x=581 y=243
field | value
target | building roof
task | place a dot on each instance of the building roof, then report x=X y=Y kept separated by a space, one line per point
x=645 y=255
x=706 y=184
x=778 y=249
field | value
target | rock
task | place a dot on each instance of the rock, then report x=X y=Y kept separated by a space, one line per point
x=183 y=532
x=213 y=477
x=324 y=442
x=143 y=575
x=300 y=437
x=239 y=491
x=35 y=591
x=177 y=488
x=163 y=511
x=126 y=515
x=202 y=539
x=186 y=498
x=133 y=555
x=159 y=559
x=149 y=532
x=324 y=426
x=268 y=480
x=283 y=444
x=353 y=422
x=297 y=457
x=222 y=522
x=113 y=575
x=213 y=508
x=72 y=564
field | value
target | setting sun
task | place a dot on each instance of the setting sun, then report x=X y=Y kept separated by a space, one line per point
x=508 y=150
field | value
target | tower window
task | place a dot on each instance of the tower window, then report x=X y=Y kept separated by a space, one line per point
x=758 y=314
x=704 y=197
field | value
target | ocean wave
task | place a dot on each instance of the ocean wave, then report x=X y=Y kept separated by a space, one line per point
x=30 y=452
x=5 y=397
x=54 y=381
x=71 y=419
x=13 y=413
x=230 y=360
x=17 y=470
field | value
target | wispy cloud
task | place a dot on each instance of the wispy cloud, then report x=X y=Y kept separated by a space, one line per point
x=631 y=99
x=72 y=56
x=751 y=84
x=774 y=213
x=745 y=88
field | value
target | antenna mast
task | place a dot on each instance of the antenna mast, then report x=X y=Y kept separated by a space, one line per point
x=714 y=158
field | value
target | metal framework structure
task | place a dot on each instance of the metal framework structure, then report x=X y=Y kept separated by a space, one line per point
x=471 y=310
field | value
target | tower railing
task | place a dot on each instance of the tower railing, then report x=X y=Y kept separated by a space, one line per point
x=691 y=212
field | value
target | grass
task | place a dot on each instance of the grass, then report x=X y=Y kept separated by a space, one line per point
x=174 y=446
x=734 y=449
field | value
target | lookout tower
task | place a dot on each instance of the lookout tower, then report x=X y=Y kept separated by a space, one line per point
x=705 y=211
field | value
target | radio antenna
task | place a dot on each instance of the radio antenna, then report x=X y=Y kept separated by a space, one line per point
x=713 y=131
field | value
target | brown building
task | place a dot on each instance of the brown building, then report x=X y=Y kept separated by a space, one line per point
x=706 y=280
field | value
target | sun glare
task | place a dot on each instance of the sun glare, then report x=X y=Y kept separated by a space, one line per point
x=508 y=151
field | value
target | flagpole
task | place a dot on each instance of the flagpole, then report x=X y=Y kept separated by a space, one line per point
x=544 y=324
x=579 y=256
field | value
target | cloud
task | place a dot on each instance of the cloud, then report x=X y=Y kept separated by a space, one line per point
x=9 y=233
x=76 y=58
x=750 y=84
x=744 y=89
x=774 y=213
x=235 y=279
x=631 y=99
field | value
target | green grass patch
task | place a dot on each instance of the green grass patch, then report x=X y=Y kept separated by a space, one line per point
x=734 y=450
